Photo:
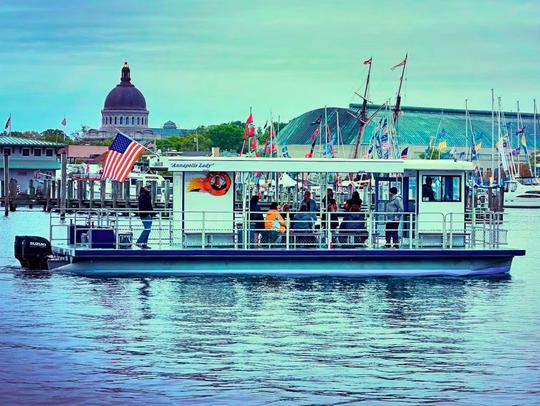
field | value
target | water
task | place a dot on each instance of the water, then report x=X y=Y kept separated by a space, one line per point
x=229 y=340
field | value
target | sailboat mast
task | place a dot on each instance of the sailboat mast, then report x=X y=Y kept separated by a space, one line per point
x=492 y=135
x=534 y=139
x=363 y=113
x=466 y=130
x=392 y=133
x=398 y=98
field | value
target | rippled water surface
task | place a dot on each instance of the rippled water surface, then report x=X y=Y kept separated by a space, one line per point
x=231 y=340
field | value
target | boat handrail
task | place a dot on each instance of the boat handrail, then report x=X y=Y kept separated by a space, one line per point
x=238 y=230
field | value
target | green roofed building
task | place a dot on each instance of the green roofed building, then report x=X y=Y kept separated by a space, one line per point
x=416 y=127
x=30 y=161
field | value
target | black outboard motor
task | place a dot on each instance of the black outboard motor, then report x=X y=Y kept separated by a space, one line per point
x=32 y=252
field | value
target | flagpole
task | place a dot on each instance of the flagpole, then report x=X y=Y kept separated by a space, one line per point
x=127 y=136
x=466 y=129
x=534 y=140
x=492 y=135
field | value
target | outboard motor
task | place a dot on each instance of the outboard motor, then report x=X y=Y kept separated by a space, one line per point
x=32 y=252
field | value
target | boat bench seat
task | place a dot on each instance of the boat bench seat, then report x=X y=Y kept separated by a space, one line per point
x=428 y=239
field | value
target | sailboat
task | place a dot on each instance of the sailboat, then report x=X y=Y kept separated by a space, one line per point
x=519 y=192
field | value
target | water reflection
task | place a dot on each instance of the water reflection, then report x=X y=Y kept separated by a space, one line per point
x=259 y=340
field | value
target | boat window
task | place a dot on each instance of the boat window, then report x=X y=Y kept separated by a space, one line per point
x=441 y=188
x=529 y=196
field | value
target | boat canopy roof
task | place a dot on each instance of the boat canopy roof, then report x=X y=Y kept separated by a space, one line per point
x=315 y=165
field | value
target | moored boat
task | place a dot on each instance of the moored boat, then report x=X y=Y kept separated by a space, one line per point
x=210 y=228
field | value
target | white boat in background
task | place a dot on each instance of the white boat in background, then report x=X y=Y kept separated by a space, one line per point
x=522 y=193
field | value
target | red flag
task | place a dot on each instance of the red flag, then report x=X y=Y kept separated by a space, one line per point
x=249 y=128
x=8 y=123
x=402 y=63
x=368 y=61
x=254 y=144
x=64 y=122
x=314 y=135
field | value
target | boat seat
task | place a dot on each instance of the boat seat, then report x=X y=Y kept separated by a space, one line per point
x=433 y=239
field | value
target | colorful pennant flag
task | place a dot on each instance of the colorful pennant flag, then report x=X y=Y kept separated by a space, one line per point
x=368 y=61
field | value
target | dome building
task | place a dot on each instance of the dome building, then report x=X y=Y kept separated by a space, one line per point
x=125 y=107
x=125 y=110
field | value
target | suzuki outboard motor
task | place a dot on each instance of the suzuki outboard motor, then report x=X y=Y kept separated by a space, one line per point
x=32 y=252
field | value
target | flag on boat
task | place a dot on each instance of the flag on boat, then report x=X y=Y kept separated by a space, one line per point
x=314 y=135
x=318 y=121
x=516 y=151
x=523 y=143
x=404 y=153
x=121 y=156
x=8 y=123
x=64 y=122
x=402 y=63
x=521 y=130
x=285 y=151
x=368 y=61
x=249 y=128
x=442 y=145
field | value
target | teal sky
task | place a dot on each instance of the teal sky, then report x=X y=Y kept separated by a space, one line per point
x=205 y=62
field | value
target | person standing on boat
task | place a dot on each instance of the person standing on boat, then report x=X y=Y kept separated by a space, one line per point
x=394 y=208
x=256 y=220
x=427 y=190
x=146 y=212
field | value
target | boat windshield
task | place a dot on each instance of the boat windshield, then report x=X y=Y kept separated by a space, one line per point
x=529 y=181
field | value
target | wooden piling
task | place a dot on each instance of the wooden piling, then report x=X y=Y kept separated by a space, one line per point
x=63 y=175
x=6 y=183
x=114 y=188
x=91 y=200
x=47 y=193
x=127 y=185
x=102 y=191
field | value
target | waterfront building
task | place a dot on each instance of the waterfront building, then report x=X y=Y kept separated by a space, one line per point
x=125 y=110
x=417 y=127
x=30 y=161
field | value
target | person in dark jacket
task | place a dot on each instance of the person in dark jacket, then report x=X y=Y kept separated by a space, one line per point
x=146 y=212
x=354 y=200
x=256 y=221
x=354 y=224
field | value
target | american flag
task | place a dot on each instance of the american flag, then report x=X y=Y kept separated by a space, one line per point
x=121 y=156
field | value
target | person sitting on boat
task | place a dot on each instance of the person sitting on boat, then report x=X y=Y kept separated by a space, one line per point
x=393 y=208
x=146 y=212
x=256 y=220
x=353 y=224
x=310 y=203
x=303 y=225
x=274 y=224
x=427 y=190
x=354 y=200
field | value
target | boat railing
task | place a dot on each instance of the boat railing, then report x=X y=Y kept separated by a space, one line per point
x=120 y=228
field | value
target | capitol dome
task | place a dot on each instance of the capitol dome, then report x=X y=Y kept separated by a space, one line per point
x=169 y=125
x=125 y=106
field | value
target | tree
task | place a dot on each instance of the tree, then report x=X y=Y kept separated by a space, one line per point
x=53 y=135
x=228 y=137
x=185 y=143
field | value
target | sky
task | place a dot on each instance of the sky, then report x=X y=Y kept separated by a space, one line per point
x=201 y=62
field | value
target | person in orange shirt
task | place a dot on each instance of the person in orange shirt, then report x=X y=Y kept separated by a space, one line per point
x=274 y=223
